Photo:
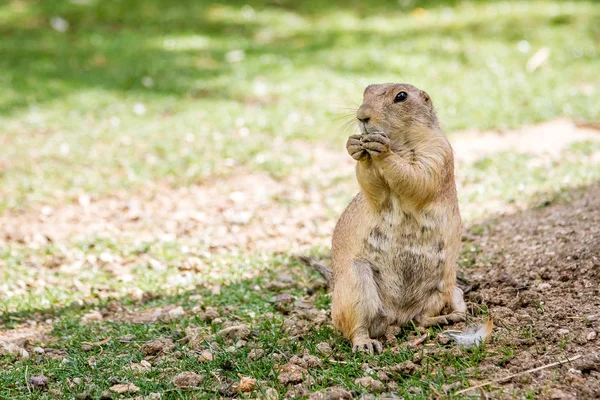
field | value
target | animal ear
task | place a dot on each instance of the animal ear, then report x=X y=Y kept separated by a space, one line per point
x=426 y=98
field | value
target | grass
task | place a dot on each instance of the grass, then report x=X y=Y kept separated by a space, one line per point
x=135 y=94
x=104 y=365
x=182 y=93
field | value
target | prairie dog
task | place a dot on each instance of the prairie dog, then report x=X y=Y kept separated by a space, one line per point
x=394 y=248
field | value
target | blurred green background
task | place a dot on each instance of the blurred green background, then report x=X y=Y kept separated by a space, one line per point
x=118 y=119
x=102 y=94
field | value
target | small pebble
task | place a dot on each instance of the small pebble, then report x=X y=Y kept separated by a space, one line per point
x=324 y=348
x=544 y=286
x=39 y=381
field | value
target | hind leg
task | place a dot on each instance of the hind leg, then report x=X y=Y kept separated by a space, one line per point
x=357 y=309
x=457 y=306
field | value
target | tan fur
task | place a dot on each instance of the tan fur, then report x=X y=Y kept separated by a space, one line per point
x=395 y=247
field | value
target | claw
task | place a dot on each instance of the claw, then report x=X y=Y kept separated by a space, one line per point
x=374 y=146
x=358 y=155
x=370 y=346
x=376 y=143
x=376 y=137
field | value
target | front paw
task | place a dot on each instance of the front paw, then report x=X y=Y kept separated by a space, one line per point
x=355 y=147
x=376 y=144
x=367 y=345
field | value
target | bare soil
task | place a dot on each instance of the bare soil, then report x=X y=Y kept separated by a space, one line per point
x=538 y=274
x=252 y=211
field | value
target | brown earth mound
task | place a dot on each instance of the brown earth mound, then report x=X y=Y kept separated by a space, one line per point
x=538 y=274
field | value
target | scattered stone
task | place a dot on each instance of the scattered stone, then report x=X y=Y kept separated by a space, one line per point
x=306 y=304
x=205 y=356
x=114 y=306
x=591 y=335
x=334 y=393
x=196 y=297
x=39 y=382
x=296 y=392
x=271 y=394
x=235 y=332
x=7 y=348
x=187 y=380
x=283 y=298
x=417 y=358
x=92 y=316
x=443 y=340
x=406 y=368
x=371 y=384
x=285 y=277
x=127 y=338
x=312 y=361
x=157 y=346
x=195 y=337
x=591 y=362
x=324 y=348
x=106 y=395
x=141 y=368
x=255 y=354
x=86 y=347
x=125 y=388
x=177 y=312
x=382 y=376
x=210 y=314
x=291 y=373
x=562 y=332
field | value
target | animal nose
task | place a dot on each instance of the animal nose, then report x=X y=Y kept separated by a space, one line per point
x=364 y=114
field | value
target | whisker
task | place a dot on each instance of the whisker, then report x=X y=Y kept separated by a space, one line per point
x=345 y=116
x=349 y=125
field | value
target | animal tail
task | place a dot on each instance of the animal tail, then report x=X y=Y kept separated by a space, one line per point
x=320 y=268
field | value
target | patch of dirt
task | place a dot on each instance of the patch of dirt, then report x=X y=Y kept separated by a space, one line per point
x=146 y=316
x=539 y=276
x=25 y=335
x=250 y=212
x=241 y=214
x=548 y=138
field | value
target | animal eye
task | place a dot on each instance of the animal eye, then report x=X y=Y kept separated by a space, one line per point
x=400 y=97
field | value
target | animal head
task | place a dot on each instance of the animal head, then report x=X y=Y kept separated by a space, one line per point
x=397 y=110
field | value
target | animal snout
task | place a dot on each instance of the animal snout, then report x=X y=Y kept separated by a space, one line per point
x=364 y=114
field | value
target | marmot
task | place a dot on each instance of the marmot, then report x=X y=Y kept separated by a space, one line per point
x=395 y=247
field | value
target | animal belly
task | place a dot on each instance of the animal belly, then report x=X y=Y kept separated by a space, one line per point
x=409 y=271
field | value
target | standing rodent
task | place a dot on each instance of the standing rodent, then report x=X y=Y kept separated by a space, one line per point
x=394 y=248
